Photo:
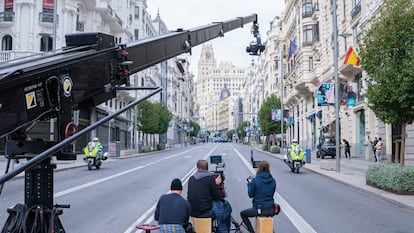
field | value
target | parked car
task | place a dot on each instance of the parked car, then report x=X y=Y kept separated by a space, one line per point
x=327 y=147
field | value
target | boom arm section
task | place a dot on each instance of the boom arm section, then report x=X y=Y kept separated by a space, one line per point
x=88 y=71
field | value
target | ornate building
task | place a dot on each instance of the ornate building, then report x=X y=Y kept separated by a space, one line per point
x=217 y=88
x=127 y=21
x=300 y=47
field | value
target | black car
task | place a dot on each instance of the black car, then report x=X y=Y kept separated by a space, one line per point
x=326 y=148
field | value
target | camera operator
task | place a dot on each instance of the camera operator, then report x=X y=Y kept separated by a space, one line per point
x=204 y=197
x=261 y=188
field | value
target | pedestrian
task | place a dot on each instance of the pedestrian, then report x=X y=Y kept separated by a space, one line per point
x=347 y=148
x=173 y=211
x=378 y=149
x=373 y=144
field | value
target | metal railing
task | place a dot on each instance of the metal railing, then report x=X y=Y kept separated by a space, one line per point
x=6 y=16
x=47 y=17
x=356 y=11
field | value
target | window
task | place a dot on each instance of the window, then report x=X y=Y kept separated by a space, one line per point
x=136 y=12
x=310 y=63
x=7 y=43
x=316 y=32
x=307 y=8
x=136 y=34
x=46 y=43
x=307 y=35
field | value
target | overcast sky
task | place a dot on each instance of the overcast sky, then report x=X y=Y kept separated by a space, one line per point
x=189 y=14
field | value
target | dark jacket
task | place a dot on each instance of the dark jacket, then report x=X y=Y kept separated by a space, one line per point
x=202 y=190
x=261 y=189
x=172 y=208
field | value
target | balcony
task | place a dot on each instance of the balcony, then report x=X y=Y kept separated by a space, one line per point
x=12 y=54
x=6 y=18
x=307 y=14
x=109 y=16
x=46 y=19
x=356 y=11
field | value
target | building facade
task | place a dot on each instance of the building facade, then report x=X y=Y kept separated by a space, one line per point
x=214 y=108
x=299 y=61
x=127 y=21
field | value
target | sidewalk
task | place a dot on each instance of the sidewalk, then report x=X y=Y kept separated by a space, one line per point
x=352 y=172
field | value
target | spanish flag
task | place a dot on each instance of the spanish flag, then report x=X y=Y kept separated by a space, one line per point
x=351 y=57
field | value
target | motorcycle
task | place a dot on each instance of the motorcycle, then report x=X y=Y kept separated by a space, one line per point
x=94 y=156
x=294 y=164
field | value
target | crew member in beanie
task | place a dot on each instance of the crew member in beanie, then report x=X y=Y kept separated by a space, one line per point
x=173 y=211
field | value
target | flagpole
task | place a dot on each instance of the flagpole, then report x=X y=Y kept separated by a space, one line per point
x=335 y=54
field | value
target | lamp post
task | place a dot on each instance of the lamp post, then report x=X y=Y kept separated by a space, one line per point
x=281 y=100
x=335 y=54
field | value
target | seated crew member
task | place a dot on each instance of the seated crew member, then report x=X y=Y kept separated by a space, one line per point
x=173 y=211
x=262 y=189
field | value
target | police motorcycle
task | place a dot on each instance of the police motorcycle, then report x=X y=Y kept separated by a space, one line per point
x=94 y=154
x=294 y=157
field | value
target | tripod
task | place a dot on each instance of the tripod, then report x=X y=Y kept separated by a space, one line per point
x=235 y=226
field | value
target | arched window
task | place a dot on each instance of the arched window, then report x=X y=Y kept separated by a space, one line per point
x=7 y=43
x=46 y=43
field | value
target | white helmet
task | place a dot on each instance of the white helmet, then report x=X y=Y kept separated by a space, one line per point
x=95 y=139
x=295 y=140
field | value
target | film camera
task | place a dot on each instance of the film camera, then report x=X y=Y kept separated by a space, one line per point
x=218 y=170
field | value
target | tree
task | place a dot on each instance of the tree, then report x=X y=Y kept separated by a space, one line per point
x=387 y=55
x=146 y=121
x=265 y=115
x=230 y=134
x=196 y=128
x=240 y=128
x=165 y=117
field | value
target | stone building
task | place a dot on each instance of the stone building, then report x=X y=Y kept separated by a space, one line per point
x=217 y=87
x=126 y=22
x=308 y=24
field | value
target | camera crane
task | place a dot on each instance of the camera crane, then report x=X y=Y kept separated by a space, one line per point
x=85 y=73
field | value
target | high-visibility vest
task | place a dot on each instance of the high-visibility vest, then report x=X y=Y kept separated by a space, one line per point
x=295 y=152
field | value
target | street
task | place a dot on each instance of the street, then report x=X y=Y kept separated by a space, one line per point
x=124 y=192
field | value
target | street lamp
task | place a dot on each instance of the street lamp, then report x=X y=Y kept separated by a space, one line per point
x=345 y=35
x=335 y=54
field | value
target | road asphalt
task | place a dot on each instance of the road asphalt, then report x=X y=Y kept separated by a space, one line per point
x=352 y=172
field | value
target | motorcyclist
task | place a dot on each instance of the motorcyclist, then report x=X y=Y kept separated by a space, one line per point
x=295 y=152
x=94 y=149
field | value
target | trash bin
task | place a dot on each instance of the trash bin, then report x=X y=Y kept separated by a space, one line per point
x=139 y=147
x=308 y=155
x=114 y=149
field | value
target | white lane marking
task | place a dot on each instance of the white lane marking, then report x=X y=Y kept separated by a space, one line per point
x=149 y=215
x=92 y=183
x=288 y=210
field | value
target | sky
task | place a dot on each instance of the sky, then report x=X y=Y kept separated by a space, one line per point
x=188 y=14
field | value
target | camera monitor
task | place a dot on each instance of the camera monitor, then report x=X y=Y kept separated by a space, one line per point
x=256 y=164
x=216 y=159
